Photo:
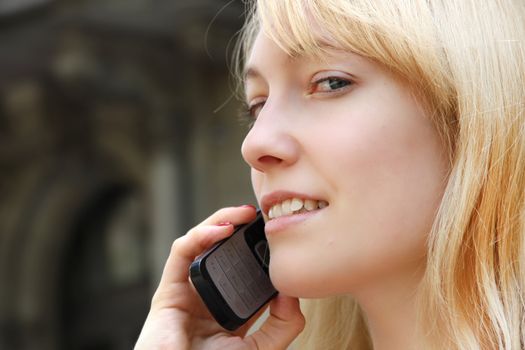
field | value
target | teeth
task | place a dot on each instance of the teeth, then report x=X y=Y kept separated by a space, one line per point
x=295 y=205
x=310 y=204
x=277 y=210
x=286 y=210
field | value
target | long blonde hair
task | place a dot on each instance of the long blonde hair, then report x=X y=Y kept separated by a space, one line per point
x=466 y=62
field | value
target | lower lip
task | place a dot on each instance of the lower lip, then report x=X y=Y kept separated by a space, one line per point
x=285 y=222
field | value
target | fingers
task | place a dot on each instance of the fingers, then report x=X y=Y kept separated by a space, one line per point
x=241 y=331
x=184 y=250
x=235 y=215
x=282 y=326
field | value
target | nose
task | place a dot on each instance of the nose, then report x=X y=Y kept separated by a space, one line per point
x=270 y=143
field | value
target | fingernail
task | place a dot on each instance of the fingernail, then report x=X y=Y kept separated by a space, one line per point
x=225 y=223
x=249 y=206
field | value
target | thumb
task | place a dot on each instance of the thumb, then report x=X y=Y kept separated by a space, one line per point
x=282 y=326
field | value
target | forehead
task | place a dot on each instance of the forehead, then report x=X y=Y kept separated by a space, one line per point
x=267 y=57
x=265 y=52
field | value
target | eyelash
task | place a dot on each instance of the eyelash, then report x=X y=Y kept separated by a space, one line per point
x=248 y=112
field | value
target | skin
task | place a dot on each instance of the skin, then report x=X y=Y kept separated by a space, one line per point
x=344 y=130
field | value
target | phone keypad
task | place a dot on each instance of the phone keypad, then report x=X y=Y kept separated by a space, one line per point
x=239 y=276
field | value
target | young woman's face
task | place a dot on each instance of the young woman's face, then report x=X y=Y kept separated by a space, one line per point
x=344 y=134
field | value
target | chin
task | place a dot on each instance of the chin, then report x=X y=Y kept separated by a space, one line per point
x=297 y=282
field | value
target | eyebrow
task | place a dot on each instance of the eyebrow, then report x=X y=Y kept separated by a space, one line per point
x=251 y=72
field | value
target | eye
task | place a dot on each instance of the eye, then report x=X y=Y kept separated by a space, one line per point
x=332 y=84
x=250 y=110
x=255 y=108
x=329 y=84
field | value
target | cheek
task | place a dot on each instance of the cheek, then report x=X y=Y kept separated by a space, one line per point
x=391 y=181
x=391 y=168
x=385 y=186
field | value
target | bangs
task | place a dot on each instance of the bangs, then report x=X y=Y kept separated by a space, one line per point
x=399 y=37
x=308 y=28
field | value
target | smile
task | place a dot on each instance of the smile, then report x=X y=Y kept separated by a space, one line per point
x=293 y=206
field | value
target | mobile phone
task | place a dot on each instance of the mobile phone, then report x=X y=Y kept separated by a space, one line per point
x=232 y=277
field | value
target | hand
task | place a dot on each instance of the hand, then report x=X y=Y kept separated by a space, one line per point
x=178 y=318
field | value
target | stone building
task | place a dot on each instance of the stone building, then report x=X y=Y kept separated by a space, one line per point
x=118 y=132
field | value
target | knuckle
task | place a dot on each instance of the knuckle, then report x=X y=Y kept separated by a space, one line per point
x=161 y=297
x=177 y=245
x=155 y=298
x=191 y=231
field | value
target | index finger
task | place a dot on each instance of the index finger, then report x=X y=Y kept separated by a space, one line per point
x=186 y=248
x=202 y=237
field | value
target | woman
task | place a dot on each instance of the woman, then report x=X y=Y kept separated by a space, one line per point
x=398 y=129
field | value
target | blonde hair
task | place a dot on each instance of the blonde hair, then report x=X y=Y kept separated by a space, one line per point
x=466 y=62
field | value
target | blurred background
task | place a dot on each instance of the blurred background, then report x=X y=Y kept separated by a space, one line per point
x=118 y=132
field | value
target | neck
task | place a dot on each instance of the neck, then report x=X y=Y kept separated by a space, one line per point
x=390 y=310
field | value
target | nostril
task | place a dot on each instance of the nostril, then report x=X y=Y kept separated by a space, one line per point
x=269 y=160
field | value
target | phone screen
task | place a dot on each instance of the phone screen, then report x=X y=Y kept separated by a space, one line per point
x=232 y=277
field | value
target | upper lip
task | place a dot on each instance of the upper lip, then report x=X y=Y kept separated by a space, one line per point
x=270 y=199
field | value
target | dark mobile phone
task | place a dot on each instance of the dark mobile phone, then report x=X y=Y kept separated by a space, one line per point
x=232 y=277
